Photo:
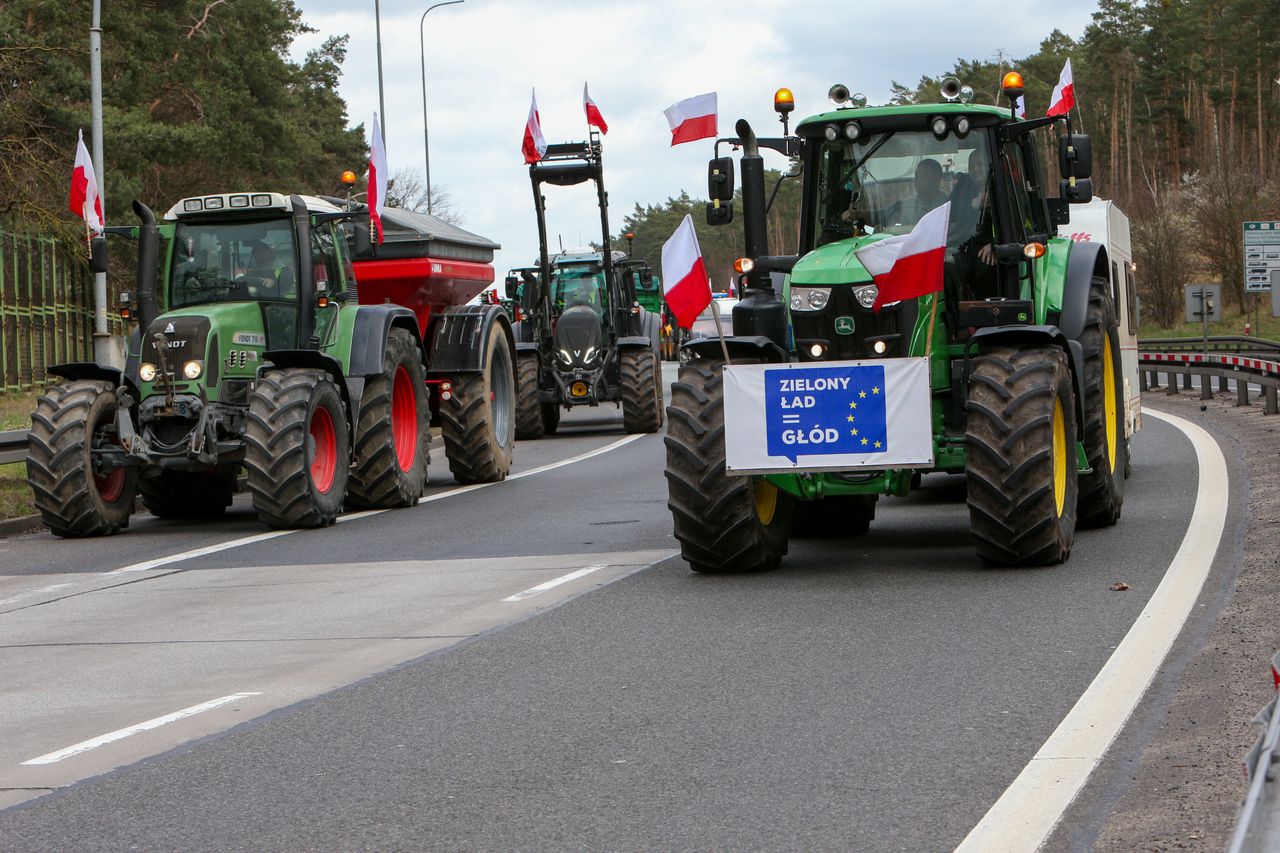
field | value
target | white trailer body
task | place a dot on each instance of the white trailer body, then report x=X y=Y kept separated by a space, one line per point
x=1100 y=221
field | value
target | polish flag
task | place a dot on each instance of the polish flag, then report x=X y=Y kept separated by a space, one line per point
x=1021 y=106
x=1064 y=94
x=594 y=118
x=685 y=285
x=377 y=195
x=84 y=201
x=534 y=145
x=909 y=265
x=693 y=118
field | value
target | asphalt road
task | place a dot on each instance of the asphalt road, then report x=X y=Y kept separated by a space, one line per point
x=876 y=693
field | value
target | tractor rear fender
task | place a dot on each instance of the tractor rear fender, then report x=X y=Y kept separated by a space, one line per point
x=753 y=347
x=1086 y=260
x=92 y=370
x=350 y=387
x=634 y=342
x=369 y=336
x=1040 y=336
x=458 y=345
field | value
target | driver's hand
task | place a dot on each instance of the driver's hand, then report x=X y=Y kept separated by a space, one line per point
x=987 y=255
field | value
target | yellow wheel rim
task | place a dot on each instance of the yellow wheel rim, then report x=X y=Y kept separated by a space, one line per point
x=1059 y=457
x=766 y=501
x=1109 y=399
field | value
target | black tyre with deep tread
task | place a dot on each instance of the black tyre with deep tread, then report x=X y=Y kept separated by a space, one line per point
x=378 y=480
x=715 y=515
x=1102 y=492
x=280 y=449
x=1017 y=399
x=550 y=418
x=189 y=494
x=68 y=421
x=641 y=390
x=478 y=423
x=530 y=414
x=835 y=517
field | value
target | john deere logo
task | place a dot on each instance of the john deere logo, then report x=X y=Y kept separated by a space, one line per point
x=844 y=325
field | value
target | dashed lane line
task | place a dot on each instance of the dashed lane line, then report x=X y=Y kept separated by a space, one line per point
x=1029 y=809
x=554 y=582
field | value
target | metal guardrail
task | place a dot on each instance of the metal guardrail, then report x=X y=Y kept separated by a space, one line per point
x=1258 y=821
x=1240 y=344
x=13 y=446
x=1264 y=373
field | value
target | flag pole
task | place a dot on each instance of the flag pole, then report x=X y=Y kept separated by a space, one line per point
x=933 y=321
x=715 y=314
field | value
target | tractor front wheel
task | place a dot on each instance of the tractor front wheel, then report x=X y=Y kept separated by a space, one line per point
x=531 y=416
x=75 y=494
x=1102 y=491
x=723 y=523
x=478 y=422
x=297 y=448
x=1021 y=468
x=393 y=435
x=641 y=391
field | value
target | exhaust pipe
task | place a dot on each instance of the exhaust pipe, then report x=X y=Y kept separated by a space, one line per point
x=148 y=261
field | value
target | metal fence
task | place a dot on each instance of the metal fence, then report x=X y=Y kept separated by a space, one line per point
x=46 y=308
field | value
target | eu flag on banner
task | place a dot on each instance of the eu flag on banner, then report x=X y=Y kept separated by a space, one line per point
x=819 y=411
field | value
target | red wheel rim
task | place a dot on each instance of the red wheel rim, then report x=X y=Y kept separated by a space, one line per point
x=324 y=459
x=110 y=486
x=404 y=419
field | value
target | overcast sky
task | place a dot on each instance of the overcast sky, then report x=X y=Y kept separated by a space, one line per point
x=484 y=56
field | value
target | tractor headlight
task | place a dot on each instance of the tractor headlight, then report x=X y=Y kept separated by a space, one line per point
x=590 y=355
x=564 y=357
x=831 y=132
x=809 y=298
x=192 y=369
x=146 y=371
x=852 y=131
x=866 y=295
x=938 y=124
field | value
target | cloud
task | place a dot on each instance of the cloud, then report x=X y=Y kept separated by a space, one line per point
x=483 y=57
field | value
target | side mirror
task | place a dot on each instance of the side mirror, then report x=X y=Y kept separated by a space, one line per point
x=532 y=290
x=720 y=179
x=1077 y=191
x=1075 y=155
x=98 y=255
x=362 y=243
x=513 y=285
x=719 y=212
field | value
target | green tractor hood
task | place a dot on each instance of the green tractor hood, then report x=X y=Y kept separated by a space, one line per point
x=834 y=263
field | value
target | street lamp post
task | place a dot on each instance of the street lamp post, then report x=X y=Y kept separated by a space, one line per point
x=422 y=49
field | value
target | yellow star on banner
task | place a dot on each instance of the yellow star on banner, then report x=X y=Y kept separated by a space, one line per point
x=862 y=394
x=853 y=405
x=875 y=390
x=877 y=444
x=849 y=419
x=855 y=432
x=864 y=441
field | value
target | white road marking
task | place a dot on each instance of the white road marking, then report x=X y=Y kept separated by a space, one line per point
x=29 y=593
x=1029 y=809
x=120 y=734
x=554 y=582
x=272 y=534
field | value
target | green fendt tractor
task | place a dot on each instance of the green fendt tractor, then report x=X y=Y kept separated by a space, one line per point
x=583 y=339
x=1016 y=360
x=254 y=352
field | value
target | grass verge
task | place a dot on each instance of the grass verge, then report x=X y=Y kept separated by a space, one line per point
x=15 y=495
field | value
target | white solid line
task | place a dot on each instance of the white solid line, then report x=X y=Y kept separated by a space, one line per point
x=555 y=582
x=1026 y=813
x=353 y=516
x=120 y=734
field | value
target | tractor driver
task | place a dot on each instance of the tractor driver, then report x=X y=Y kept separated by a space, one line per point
x=928 y=195
x=266 y=277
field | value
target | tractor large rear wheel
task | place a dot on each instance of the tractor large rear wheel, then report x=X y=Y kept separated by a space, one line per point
x=297 y=448
x=531 y=419
x=724 y=523
x=189 y=494
x=1021 y=469
x=1102 y=491
x=641 y=391
x=478 y=422
x=393 y=435
x=74 y=496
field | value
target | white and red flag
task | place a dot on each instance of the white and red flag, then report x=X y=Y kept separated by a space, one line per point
x=909 y=265
x=693 y=118
x=1064 y=94
x=594 y=118
x=685 y=285
x=534 y=145
x=85 y=201
x=377 y=195
x=1021 y=106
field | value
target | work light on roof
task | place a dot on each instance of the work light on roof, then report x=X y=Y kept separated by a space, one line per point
x=213 y=202
x=831 y=132
x=852 y=131
x=192 y=204
x=261 y=200
x=239 y=201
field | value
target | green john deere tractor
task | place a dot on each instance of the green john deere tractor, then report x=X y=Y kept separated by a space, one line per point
x=1020 y=369
x=255 y=353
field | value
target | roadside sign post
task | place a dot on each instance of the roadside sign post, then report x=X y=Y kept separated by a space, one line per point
x=1262 y=262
